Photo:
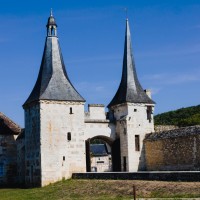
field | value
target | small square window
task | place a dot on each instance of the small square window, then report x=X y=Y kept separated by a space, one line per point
x=135 y=110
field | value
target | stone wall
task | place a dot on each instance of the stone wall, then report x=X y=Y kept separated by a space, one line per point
x=21 y=158
x=96 y=112
x=132 y=121
x=32 y=146
x=151 y=176
x=62 y=140
x=161 y=128
x=8 y=160
x=101 y=163
x=175 y=150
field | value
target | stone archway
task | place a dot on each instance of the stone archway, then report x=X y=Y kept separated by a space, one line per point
x=115 y=152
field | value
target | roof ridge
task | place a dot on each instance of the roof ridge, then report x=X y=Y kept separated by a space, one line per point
x=2 y=115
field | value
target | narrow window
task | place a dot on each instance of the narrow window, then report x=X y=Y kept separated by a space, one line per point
x=63 y=158
x=149 y=112
x=70 y=111
x=137 y=143
x=1 y=169
x=69 y=137
x=124 y=131
x=124 y=163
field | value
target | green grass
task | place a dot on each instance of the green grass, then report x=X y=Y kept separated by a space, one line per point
x=104 y=190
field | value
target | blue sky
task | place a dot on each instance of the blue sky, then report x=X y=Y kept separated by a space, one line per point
x=165 y=40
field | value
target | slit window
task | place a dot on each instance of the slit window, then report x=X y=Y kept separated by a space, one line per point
x=70 y=111
x=124 y=163
x=137 y=143
x=69 y=136
x=1 y=169
x=63 y=158
x=149 y=112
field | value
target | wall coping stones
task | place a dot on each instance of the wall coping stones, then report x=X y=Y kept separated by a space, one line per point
x=180 y=132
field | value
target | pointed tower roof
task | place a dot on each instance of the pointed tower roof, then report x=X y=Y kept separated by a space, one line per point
x=129 y=89
x=53 y=82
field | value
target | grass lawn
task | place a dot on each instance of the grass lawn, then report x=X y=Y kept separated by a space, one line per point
x=104 y=190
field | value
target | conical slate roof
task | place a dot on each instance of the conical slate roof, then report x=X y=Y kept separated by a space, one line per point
x=129 y=89
x=53 y=82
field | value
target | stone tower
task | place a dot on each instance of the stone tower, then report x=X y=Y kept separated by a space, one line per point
x=132 y=109
x=54 y=120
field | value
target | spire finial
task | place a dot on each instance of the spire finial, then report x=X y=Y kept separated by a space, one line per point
x=51 y=25
x=126 y=11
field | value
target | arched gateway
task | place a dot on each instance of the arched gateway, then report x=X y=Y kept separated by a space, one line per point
x=58 y=130
x=114 y=145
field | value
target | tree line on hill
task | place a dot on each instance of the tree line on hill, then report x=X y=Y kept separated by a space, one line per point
x=189 y=116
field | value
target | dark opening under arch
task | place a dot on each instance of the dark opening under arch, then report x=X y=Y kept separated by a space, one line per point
x=115 y=152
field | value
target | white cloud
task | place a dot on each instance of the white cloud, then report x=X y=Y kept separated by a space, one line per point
x=170 y=79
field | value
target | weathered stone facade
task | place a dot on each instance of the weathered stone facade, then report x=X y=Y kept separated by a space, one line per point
x=161 y=128
x=173 y=150
x=132 y=124
x=8 y=150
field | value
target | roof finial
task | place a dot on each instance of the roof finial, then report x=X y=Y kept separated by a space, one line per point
x=126 y=11
x=51 y=13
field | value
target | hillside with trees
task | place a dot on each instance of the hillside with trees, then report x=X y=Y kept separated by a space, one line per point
x=182 y=117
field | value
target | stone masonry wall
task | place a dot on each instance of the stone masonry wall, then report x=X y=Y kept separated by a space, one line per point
x=32 y=146
x=175 y=150
x=161 y=128
x=61 y=155
x=8 y=160
x=132 y=121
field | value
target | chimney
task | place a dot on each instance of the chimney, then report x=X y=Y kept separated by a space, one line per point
x=148 y=92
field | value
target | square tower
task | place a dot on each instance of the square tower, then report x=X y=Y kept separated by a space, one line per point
x=54 y=120
x=132 y=108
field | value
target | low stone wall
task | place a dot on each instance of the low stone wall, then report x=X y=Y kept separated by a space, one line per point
x=160 y=176
x=160 y=128
x=174 y=150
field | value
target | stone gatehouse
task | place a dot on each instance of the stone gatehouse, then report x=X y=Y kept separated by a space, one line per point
x=58 y=131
